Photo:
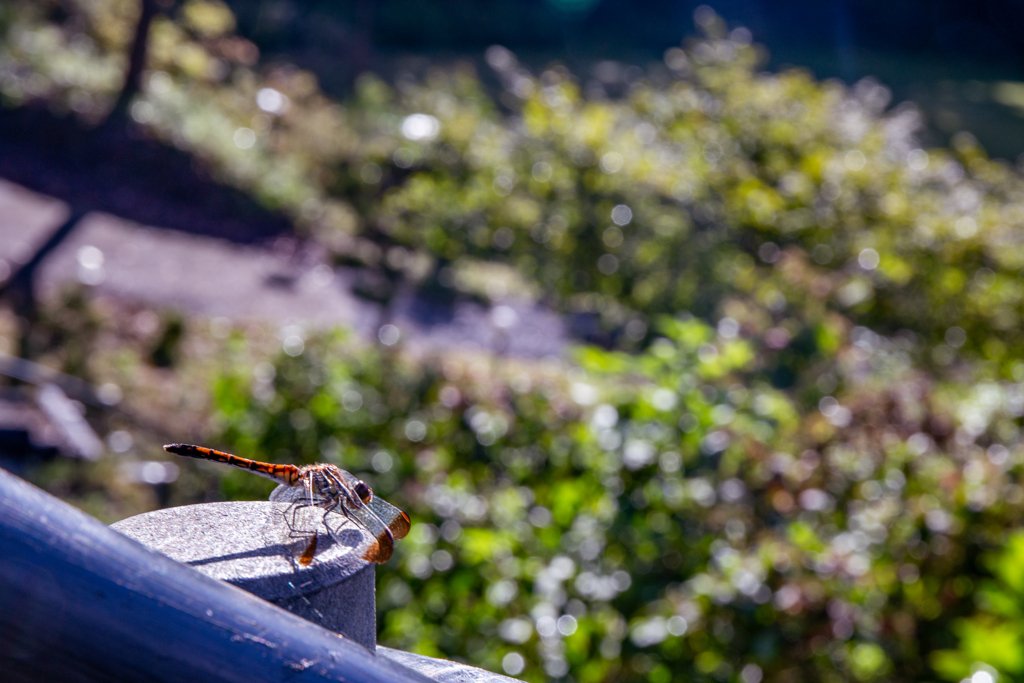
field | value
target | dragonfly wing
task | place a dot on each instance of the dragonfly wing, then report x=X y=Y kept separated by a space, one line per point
x=380 y=551
x=393 y=518
x=385 y=522
x=307 y=555
x=383 y=540
x=396 y=520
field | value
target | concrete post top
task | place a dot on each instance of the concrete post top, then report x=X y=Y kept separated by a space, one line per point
x=251 y=545
x=443 y=670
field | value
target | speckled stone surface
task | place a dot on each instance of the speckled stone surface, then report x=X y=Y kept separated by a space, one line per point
x=249 y=544
x=443 y=670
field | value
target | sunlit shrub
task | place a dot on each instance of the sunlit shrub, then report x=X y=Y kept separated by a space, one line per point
x=657 y=512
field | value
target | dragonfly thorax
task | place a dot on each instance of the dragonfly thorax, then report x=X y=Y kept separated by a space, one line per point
x=332 y=482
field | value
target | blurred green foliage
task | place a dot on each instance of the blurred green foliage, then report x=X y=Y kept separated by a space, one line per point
x=993 y=635
x=682 y=194
x=666 y=515
x=799 y=456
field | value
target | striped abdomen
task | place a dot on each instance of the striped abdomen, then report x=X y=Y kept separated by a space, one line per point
x=282 y=474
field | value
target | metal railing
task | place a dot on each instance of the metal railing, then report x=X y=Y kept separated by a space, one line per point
x=81 y=602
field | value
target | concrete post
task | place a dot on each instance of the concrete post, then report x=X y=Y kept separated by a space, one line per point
x=249 y=544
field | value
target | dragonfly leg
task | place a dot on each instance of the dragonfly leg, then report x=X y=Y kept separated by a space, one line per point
x=304 y=527
x=301 y=532
x=337 y=507
x=291 y=518
x=311 y=499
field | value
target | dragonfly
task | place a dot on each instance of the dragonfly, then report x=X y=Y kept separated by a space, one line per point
x=326 y=487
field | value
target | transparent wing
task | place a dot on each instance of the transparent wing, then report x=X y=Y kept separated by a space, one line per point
x=384 y=521
x=393 y=518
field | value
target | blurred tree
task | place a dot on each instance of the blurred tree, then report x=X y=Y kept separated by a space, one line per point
x=136 y=58
x=20 y=287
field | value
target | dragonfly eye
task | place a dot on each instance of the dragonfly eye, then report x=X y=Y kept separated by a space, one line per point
x=363 y=491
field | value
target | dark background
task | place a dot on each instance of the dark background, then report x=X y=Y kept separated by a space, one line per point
x=983 y=30
x=944 y=55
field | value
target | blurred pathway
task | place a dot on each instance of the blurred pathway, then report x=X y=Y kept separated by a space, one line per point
x=216 y=278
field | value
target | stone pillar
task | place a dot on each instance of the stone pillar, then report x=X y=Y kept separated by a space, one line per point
x=249 y=544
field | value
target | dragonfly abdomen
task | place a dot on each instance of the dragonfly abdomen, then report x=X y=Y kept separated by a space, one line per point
x=283 y=474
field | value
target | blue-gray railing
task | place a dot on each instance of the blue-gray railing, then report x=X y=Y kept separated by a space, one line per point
x=81 y=602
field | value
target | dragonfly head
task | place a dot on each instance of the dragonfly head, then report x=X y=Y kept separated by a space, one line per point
x=363 y=491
